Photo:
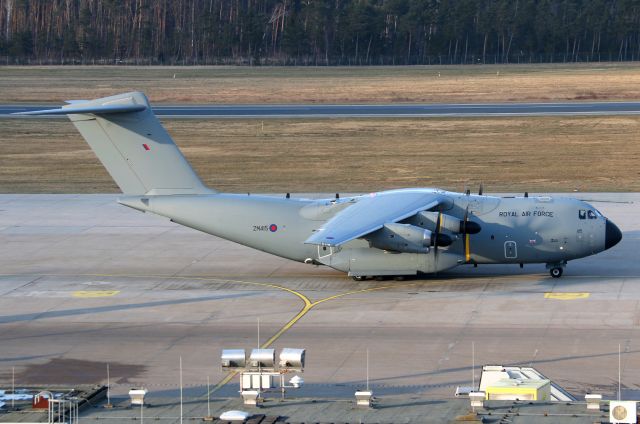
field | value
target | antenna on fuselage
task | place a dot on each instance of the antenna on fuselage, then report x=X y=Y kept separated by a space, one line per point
x=337 y=195
x=288 y=196
x=480 y=190
x=526 y=194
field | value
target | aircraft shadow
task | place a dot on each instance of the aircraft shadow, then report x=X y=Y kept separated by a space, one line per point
x=8 y=319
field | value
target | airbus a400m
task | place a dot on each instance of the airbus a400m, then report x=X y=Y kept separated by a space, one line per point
x=397 y=232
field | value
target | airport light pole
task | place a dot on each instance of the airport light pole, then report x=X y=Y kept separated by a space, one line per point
x=367 y=369
x=619 y=372
x=208 y=399
x=473 y=372
x=108 y=388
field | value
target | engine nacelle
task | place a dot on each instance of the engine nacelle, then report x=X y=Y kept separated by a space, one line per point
x=407 y=238
x=450 y=223
x=404 y=238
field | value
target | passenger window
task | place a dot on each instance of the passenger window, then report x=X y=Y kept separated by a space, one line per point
x=582 y=214
x=592 y=214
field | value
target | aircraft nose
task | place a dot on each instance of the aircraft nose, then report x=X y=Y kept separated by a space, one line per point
x=612 y=235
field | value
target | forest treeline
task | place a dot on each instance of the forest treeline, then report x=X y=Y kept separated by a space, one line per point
x=318 y=32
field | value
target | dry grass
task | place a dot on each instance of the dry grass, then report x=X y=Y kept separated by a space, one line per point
x=326 y=85
x=507 y=154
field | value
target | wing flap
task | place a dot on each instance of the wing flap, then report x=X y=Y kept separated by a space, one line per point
x=370 y=213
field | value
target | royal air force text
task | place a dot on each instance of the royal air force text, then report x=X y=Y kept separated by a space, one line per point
x=513 y=214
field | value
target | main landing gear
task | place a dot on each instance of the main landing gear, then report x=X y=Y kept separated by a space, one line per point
x=378 y=277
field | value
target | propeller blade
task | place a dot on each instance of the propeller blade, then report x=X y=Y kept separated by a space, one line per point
x=435 y=241
x=437 y=234
x=465 y=235
x=464 y=220
x=468 y=227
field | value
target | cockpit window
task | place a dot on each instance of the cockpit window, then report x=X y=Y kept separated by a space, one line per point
x=582 y=214
x=591 y=214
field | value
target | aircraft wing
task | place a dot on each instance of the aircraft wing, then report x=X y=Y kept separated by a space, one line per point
x=370 y=213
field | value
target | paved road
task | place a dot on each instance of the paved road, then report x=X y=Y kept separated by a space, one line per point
x=385 y=110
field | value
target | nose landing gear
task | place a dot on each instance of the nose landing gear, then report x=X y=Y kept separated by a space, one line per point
x=555 y=270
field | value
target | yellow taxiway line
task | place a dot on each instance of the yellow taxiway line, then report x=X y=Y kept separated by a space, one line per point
x=95 y=293
x=566 y=296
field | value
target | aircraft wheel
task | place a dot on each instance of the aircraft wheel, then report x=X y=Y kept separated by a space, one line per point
x=358 y=277
x=556 y=272
x=399 y=278
x=380 y=278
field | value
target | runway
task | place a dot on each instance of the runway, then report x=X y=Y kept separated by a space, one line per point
x=372 y=111
x=86 y=282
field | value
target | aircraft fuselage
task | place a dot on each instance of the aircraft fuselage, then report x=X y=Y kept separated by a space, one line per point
x=549 y=230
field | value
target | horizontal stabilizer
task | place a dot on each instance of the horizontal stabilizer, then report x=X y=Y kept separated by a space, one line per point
x=79 y=109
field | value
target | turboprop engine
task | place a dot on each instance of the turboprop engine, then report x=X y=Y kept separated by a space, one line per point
x=406 y=238
x=429 y=220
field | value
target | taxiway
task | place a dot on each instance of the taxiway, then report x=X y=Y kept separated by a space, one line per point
x=86 y=282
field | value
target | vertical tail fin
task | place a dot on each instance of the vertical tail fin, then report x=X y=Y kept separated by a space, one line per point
x=131 y=143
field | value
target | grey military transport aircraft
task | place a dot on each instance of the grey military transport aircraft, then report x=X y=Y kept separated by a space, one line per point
x=389 y=233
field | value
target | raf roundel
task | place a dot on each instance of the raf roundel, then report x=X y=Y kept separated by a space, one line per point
x=273 y=228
